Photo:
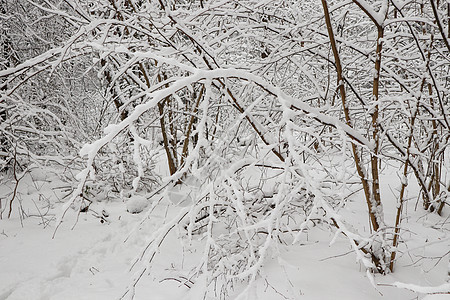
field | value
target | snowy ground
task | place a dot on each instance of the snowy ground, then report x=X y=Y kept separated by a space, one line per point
x=93 y=260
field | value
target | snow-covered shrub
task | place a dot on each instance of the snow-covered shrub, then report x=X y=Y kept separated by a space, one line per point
x=264 y=118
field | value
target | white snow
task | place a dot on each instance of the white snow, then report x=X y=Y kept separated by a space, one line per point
x=93 y=260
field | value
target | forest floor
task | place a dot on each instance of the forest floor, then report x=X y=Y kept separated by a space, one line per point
x=92 y=259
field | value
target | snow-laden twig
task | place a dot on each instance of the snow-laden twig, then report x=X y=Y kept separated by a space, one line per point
x=441 y=289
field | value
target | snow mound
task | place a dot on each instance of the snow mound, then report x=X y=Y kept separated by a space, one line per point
x=136 y=204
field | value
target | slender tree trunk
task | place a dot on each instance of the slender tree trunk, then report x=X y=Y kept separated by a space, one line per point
x=190 y=125
x=112 y=91
x=372 y=195
x=374 y=160
x=168 y=144
x=415 y=111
